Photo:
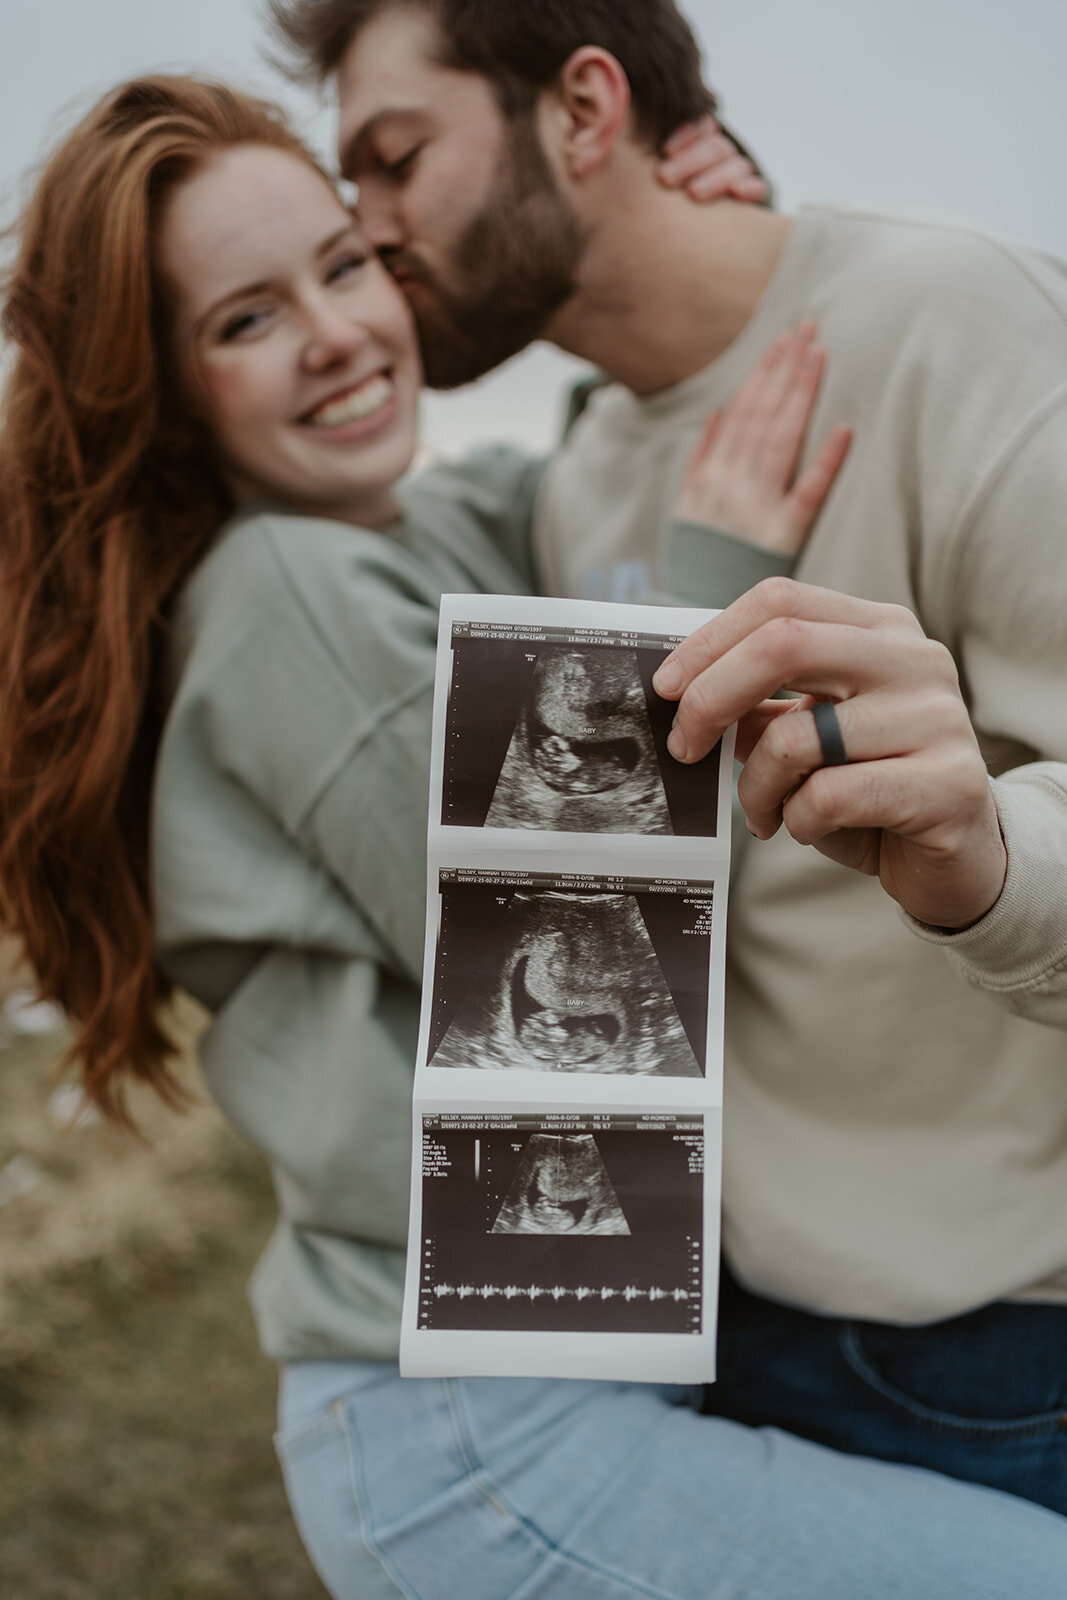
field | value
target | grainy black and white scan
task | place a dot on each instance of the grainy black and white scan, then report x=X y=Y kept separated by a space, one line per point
x=564 y=1223
x=555 y=973
x=553 y=730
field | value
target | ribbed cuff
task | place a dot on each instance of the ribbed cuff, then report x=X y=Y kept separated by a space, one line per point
x=1018 y=951
x=707 y=567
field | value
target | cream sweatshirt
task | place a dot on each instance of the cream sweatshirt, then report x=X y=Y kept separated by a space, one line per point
x=896 y=1114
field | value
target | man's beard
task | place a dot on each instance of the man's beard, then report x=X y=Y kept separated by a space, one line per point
x=515 y=265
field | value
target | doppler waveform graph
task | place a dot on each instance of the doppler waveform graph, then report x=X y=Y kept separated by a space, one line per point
x=560 y=1223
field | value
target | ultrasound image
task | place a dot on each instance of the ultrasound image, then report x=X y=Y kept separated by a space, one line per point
x=567 y=737
x=582 y=758
x=556 y=981
x=561 y=1186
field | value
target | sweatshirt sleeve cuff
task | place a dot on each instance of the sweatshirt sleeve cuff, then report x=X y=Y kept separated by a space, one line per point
x=1017 y=952
x=707 y=567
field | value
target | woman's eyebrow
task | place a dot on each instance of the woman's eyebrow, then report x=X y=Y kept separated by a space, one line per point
x=335 y=238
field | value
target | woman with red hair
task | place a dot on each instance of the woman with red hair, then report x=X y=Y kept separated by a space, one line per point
x=216 y=664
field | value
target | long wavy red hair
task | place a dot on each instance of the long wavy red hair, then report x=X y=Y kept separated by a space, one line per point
x=109 y=496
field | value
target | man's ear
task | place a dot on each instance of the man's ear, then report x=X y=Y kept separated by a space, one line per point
x=593 y=102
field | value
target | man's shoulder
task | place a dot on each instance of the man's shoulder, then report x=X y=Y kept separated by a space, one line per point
x=901 y=256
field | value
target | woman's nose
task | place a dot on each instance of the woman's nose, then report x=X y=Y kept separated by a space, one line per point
x=332 y=335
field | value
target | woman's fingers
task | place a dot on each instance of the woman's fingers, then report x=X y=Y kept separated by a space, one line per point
x=769 y=382
x=752 y=189
x=733 y=176
x=751 y=415
x=689 y=133
x=697 y=148
x=712 y=429
x=805 y=499
x=741 y=477
x=700 y=498
x=700 y=158
x=786 y=412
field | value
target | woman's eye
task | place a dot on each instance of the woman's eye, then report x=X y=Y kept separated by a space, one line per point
x=241 y=324
x=344 y=267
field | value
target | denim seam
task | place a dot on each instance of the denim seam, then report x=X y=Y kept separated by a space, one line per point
x=296 y=1438
x=476 y=1473
x=498 y=1499
x=358 y=1488
x=855 y=1357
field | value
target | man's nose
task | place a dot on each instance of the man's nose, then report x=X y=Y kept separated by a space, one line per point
x=380 y=216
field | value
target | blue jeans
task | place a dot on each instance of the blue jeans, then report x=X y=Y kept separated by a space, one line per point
x=981 y=1397
x=523 y=1489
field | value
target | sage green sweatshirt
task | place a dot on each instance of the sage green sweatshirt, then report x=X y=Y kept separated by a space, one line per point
x=289 y=857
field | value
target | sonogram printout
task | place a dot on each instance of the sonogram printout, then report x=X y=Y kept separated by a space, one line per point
x=566 y=1167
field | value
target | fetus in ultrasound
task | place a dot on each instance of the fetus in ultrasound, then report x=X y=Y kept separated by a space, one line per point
x=582 y=759
x=561 y=1186
x=579 y=988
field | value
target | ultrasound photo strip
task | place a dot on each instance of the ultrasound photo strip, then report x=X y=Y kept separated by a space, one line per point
x=566 y=1174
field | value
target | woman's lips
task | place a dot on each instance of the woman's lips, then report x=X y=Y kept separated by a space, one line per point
x=363 y=400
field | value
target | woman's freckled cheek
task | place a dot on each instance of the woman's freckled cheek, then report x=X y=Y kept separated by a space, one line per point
x=232 y=389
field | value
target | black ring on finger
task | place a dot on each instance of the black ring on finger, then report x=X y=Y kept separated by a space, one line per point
x=831 y=740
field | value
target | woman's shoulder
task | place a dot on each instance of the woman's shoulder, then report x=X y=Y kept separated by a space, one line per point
x=265 y=548
x=272 y=567
x=310 y=598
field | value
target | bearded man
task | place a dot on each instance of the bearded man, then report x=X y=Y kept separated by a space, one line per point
x=896 y=1100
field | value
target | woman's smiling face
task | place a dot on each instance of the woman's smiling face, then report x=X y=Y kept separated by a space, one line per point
x=294 y=343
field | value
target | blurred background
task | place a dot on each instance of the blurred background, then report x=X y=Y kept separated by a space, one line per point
x=135 y=1412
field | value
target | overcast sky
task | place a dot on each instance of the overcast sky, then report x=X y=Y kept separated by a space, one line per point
x=946 y=107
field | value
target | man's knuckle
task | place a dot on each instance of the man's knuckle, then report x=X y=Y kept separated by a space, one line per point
x=694 y=650
x=778 y=595
x=901 y=618
x=943 y=663
x=695 y=707
x=825 y=799
x=789 y=741
x=783 y=639
x=963 y=772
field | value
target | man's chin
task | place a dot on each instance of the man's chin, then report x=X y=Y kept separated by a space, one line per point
x=452 y=357
x=451 y=368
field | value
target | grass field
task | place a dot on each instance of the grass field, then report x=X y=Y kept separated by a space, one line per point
x=135 y=1407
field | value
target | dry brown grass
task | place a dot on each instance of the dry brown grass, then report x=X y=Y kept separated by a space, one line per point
x=135 y=1408
x=100 y=1193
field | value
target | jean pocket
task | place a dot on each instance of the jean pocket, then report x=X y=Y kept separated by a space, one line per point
x=899 y=1365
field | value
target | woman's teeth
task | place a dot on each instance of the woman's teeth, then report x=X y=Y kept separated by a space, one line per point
x=353 y=407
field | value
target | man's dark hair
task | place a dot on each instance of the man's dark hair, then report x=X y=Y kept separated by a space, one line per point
x=520 y=46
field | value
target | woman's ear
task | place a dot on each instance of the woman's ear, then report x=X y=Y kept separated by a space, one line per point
x=593 y=100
